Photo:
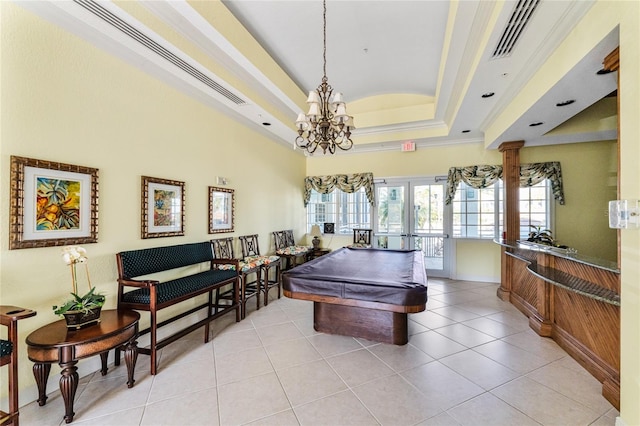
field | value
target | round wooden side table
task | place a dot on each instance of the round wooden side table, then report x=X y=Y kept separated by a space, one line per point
x=57 y=343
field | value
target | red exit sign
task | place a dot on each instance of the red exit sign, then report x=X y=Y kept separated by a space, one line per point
x=408 y=146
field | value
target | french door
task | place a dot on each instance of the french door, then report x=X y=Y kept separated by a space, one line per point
x=411 y=215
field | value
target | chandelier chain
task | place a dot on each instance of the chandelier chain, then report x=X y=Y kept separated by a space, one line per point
x=324 y=40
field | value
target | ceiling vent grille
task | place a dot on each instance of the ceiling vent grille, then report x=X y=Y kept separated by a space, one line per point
x=146 y=41
x=517 y=23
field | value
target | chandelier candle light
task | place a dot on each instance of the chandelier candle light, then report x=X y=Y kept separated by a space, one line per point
x=326 y=124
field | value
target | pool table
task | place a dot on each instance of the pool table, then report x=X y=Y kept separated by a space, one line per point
x=362 y=292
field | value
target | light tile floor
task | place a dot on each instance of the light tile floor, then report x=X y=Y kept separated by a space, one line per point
x=471 y=360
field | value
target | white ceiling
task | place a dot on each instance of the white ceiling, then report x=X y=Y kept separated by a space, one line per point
x=440 y=50
x=373 y=48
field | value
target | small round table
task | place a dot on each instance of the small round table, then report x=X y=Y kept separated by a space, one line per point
x=57 y=343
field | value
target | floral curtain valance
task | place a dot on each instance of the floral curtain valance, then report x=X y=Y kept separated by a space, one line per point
x=346 y=183
x=485 y=175
x=533 y=173
x=475 y=176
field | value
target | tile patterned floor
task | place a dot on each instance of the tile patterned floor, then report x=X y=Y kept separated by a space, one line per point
x=471 y=360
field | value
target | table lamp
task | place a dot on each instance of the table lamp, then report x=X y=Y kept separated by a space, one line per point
x=315 y=232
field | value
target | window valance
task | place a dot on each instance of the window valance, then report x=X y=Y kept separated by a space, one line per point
x=347 y=183
x=533 y=173
x=486 y=175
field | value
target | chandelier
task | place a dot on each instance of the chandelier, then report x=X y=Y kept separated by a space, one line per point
x=327 y=124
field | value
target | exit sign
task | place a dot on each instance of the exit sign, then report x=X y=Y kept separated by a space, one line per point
x=408 y=146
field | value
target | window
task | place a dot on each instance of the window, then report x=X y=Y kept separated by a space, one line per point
x=346 y=210
x=321 y=209
x=535 y=207
x=475 y=211
x=478 y=213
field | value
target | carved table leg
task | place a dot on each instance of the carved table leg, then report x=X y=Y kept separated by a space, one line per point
x=103 y=359
x=130 y=358
x=68 y=381
x=41 y=374
x=68 y=387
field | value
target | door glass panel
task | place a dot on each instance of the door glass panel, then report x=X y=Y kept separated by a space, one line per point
x=410 y=216
x=428 y=224
x=391 y=220
x=391 y=209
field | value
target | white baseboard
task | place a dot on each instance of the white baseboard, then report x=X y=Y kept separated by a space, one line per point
x=480 y=278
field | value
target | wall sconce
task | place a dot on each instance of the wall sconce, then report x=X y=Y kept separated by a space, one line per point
x=624 y=214
x=315 y=232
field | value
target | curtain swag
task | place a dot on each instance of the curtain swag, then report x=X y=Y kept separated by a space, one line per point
x=485 y=175
x=346 y=183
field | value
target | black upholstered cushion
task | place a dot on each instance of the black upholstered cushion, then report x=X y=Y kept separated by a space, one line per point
x=174 y=289
x=136 y=263
x=5 y=347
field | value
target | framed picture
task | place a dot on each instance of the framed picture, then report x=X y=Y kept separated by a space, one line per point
x=162 y=207
x=329 y=228
x=52 y=204
x=221 y=210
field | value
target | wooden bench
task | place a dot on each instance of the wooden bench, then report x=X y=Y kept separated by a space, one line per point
x=198 y=274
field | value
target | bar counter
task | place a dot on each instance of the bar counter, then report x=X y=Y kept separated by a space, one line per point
x=573 y=299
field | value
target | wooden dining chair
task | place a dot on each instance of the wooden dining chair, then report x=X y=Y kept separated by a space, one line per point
x=9 y=317
x=251 y=253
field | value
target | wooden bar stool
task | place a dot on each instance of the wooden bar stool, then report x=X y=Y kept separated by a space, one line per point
x=223 y=249
x=361 y=238
x=287 y=248
x=251 y=253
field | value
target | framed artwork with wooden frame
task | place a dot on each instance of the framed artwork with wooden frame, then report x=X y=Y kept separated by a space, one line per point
x=221 y=210
x=162 y=207
x=52 y=204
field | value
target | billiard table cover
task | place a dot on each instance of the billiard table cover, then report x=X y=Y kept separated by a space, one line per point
x=384 y=276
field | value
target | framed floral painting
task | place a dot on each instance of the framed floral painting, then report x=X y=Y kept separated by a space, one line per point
x=221 y=210
x=162 y=207
x=52 y=204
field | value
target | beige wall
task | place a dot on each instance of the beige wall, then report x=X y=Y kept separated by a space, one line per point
x=589 y=172
x=628 y=16
x=66 y=101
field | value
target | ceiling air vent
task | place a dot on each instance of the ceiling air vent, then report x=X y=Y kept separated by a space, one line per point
x=517 y=23
x=152 y=45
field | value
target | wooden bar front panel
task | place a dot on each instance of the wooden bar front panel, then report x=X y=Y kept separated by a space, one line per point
x=588 y=329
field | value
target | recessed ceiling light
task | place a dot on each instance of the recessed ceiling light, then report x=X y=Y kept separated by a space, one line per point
x=565 y=103
x=603 y=71
x=536 y=124
x=488 y=94
x=466 y=131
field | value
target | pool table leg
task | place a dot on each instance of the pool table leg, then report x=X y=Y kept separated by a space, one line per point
x=366 y=323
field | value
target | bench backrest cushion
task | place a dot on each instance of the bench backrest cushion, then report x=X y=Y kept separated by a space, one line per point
x=136 y=263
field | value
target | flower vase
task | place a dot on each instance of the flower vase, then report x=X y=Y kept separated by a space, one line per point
x=80 y=319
